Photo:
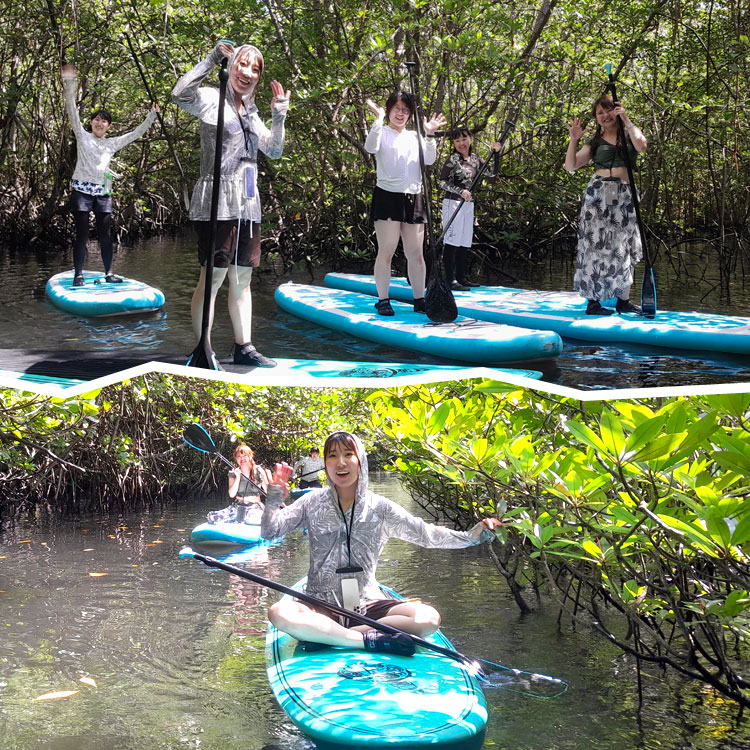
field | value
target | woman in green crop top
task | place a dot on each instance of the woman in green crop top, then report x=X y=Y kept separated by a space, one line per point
x=609 y=243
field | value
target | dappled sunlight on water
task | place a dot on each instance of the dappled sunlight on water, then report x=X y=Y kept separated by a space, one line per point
x=176 y=649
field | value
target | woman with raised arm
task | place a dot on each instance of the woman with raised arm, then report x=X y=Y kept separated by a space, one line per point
x=348 y=526
x=92 y=180
x=238 y=228
x=398 y=209
x=609 y=243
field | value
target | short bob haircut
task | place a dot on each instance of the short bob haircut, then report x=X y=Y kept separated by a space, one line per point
x=103 y=113
x=400 y=96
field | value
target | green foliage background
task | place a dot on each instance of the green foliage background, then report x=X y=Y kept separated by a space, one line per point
x=682 y=68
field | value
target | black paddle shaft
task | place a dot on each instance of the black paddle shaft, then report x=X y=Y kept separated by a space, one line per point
x=509 y=125
x=314 y=601
x=410 y=66
x=203 y=355
x=649 y=303
x=158 y=115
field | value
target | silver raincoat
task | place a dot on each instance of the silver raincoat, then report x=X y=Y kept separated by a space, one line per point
x=244 y=136
x=376 y=520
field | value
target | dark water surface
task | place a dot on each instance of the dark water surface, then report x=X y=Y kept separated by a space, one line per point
x=28 y=321
x=177 y=649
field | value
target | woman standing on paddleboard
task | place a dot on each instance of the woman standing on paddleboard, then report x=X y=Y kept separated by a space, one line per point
x=456 y=177
x=609 y=242
x=348 y=526
x=398 y=209
x=238 y=227
x=92 y=181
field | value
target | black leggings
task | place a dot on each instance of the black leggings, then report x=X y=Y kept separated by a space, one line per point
x=103 y=229
x=454 y=261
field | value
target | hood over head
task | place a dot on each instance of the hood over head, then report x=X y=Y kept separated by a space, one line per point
x=363 y=479
x=249 y=99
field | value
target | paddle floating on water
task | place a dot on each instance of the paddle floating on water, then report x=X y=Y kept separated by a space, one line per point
x=492 y=675
x=196 y=436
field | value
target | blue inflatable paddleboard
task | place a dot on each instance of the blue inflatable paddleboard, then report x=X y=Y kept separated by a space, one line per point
x=98 y=298
x=464 y=340
x=223 y=533
x=346 y=698
x=565 y=313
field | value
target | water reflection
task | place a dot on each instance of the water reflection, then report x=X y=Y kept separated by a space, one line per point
x=177 y=648
x=168 y=263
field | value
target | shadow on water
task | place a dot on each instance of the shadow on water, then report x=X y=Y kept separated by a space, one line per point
x=176 y=649
x=30 y=322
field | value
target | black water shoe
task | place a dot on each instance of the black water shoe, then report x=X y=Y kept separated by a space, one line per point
x=595 y=308
x=110 y=278
x=470 y=284
x=458 y=286
x=626 y=306
x=383 y=307
x=78 y=280
x=399 y=644
x=419 y=305
x=248 y=355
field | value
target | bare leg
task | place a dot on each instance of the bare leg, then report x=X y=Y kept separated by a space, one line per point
x=240 y=303
x=196 y=306
x=416 y=618
x=413 y=239
x=305 y=624
x=387 y=233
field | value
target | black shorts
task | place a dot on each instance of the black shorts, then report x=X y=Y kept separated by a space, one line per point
x=375 y=611
x=99 y=204
x=248 y=249
x=407 y=208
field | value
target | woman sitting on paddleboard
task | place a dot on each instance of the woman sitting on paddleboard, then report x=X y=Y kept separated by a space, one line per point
x=92 y=182
x=348 y=526
x=247 y=506
x=398 y=209
x=238 y=227
x=456 y=177
x=609 y=243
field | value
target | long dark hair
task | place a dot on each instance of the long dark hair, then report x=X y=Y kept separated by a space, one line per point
x=605 y=101
x=400 y=96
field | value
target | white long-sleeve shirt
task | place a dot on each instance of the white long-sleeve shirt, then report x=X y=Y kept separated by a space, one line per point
x=95 y=154
x=397 y=157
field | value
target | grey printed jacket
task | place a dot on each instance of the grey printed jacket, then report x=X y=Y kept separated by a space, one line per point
x=376 y=520
x=244 y=136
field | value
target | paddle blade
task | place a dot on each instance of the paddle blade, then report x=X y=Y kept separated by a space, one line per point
x=203 y=356
x=531 y=684
x=439 y=301
x=648 y=294
x=197 y=437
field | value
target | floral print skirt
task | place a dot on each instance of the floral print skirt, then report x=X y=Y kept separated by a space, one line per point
x=609 y=243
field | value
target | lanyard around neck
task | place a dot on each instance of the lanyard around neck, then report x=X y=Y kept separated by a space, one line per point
x=348 y=528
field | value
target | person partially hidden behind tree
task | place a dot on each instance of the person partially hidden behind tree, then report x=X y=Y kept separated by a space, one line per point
x=92 y=181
